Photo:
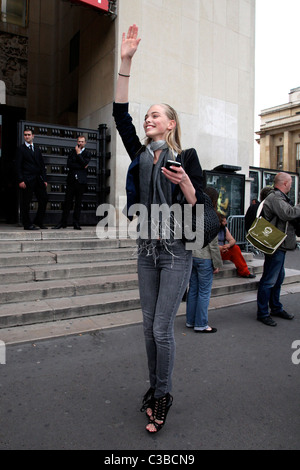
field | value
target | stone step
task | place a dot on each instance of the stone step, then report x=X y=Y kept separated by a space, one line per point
x=35 y=291
x=67 y=271
x=13 y=275
x=89 y=324
x=10 y=247
x=54 y=245
x=28 y=313
x=227 y=286
x=66 y=281
x=19 y=234
x=228 y=270
x=77 y=306
x=64 y=257
x=28 y=259
x=16 y=275
x=85 y=270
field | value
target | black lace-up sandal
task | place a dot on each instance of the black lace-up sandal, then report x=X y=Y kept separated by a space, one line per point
x=148 y=404
x=161 y=409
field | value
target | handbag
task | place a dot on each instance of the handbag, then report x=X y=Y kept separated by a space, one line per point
x=265 y=236
x=205 y=222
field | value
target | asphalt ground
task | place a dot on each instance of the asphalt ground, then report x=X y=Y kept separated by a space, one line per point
x=237 y=389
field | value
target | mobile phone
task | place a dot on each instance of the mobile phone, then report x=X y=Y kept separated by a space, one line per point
x=172 y=163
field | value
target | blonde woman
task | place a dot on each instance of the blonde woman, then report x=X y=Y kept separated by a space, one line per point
x=164 y=264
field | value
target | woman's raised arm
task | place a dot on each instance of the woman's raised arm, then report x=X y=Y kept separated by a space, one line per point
x=130 y=44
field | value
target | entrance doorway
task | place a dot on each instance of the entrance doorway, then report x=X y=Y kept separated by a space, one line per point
x=56 y=144
x=9 y=118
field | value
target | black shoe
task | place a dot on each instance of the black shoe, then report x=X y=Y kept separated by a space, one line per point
x=59 y=226
x=249 y=276
x=77 y=227
x=161 y=409
x=212 y=330
x=283 y=314
x=42 y=227
x=267 y=321
x=31 y=227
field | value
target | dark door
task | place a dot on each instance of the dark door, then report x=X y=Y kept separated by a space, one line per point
x=9 y=118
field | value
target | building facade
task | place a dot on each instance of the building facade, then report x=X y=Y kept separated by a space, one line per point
x=279 y=135
x=198 y=55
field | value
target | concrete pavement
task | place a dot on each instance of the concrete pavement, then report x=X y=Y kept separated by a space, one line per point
x=236 y=389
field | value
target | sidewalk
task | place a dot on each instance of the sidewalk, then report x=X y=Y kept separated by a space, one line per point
x=236 y=389
x=89 y=324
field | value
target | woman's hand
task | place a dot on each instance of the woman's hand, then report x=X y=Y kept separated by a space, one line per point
x=130 y=43
x=180 y=177
x=176 y=177
x=224 y=248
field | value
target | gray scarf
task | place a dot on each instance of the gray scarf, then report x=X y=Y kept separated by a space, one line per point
x=155 y=189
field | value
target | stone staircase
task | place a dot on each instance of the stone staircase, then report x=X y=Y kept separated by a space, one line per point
x=50 y=275
x=47 y=277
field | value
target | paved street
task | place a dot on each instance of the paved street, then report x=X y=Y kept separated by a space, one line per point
x=236 y=389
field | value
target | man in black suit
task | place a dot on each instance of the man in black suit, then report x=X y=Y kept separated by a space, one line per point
x=32 y=178
x=78 y=162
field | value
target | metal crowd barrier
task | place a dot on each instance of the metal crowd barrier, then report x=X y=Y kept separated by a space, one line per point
x=236 y=226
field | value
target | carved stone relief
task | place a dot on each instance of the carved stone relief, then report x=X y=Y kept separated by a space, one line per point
x=14 y=63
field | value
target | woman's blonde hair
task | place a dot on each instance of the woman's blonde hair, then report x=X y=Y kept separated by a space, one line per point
x=173 y=137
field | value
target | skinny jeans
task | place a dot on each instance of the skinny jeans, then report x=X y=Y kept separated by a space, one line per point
x=163 y=279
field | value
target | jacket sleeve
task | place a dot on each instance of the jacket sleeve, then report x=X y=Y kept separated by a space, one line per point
x=78 y=161
x=84 y=159
x=194 y=171
x=126 y=129
x=283 y=210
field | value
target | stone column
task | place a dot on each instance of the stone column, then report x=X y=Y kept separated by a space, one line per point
x=288 y=164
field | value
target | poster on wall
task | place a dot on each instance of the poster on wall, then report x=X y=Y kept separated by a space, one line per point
x=231 y=189
x=99 y=4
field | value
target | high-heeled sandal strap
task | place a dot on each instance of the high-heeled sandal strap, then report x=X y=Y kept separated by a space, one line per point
x=160 y=413
x=148 y=400
x=162 y=406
